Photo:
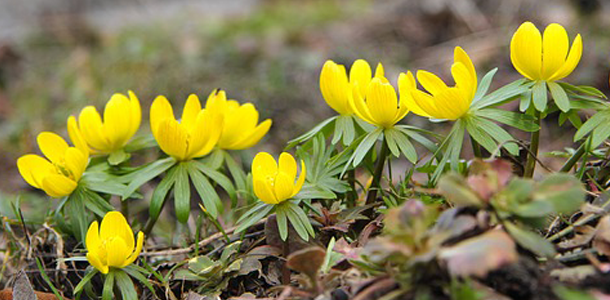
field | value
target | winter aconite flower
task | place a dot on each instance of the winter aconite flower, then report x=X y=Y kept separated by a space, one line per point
x=337 y=89
x=441 y=101
x=57 y=174
x=122 y=117
x=112 y=244
x=241 y=129
x=378 y=103
x=196 y=133
x=275 y=182
x=544 y=57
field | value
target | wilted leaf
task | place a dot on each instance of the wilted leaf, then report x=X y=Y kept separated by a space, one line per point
x=456 y=190
x=22 y=289
x=203 y=265
x=582 y=236
x=252 y=260
x=574 y=275
x=307 y=261
x=481 y=254
x=601 y=241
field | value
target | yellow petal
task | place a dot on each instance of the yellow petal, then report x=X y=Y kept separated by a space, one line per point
x=118 y=252
x=52 y=146
x=432 y=83
x=406 y=86
x=299 y=184
x=451 y=104
x=253 y=138
x=192 y=107
x=382 y=102
x=211 y=128
x=172 y=138
x=117 y=121
x=159 y=111
x=92 y=239
x=526 y=51
x=115 y=225
x=264 y=166
x=34 y=168
x=217 y=101
x=58 y=186
x=96 y=263
x=288 y=166
x=555 y=44
x=238 y=124
x=360 y=74
x=90 y=125
x=76 y=162
x=571 y=62
x=136 y=113
x=426 y=103
x=284 y=186
x=76 y=136
x=335 y=87
x=459 y=55
x=463 y=80
x=379 y=71
x=134 y=255
x=263 y=190
x=359 y=106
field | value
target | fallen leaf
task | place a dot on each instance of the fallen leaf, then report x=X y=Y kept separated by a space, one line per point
x=307 y=261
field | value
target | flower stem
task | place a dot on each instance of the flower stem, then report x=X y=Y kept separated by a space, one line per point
x=567 y=166
x=351 y=195
x=286 y=252
x=377 y=173
x=530 y=164
x=476 y=148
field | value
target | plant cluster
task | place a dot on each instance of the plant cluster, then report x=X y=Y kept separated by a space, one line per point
x=467 y=219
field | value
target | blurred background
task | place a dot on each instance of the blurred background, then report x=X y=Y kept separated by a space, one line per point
x=56 y=56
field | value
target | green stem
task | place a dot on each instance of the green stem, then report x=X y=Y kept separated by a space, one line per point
x=285 y=270
x=377 y=173
x=476 y=148
x=351 y=195
x=567 y=166
x=125 y=209
x=530 y=164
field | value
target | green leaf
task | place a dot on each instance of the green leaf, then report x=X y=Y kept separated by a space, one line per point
x=96 y=203
x=587 y=90
x=310 y=191
x=389 y=140
x=238 y=174
x=404 y=144
x=593 y=122
x=125 y=285
x=320 y=127
x=560 y=96
x=107 y=293
x=254 y=215
x=160 y=193
x=282 y=225
x=525 y=101
x=349 y=130
x=534 y=209
x=88 y=276
x=503 y=94
x=214 y=160
x=182 y=192
x=219 y=178
x=79 y=220
x=141 y=142
x=296 y=221
x=517 y=120
x=473 y=126
x=365 y=146
x=499 y=134
x=562 y=190
x=117 y=157
x=339 y=128
x=109 y=186
x=147 y=173
x=484 y=85
x=452 y=145
x=530 y=241
x=207 y=193
x=136 y=272
x=539 y=95
x=599 y=135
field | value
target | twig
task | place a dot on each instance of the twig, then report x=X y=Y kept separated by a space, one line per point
x=201 y=244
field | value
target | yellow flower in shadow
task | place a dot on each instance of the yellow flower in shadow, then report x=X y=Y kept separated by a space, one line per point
x=112 y=244
x=275 y=182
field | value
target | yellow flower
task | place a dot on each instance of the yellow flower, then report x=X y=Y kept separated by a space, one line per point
x=441 y=101
x=240 y=129
x=273 y=182
x=337 y=89
x=197 y=132
x=122 y=117
x=112 y=244
x=544 y=57
x=378 y=103
x=57 y=174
